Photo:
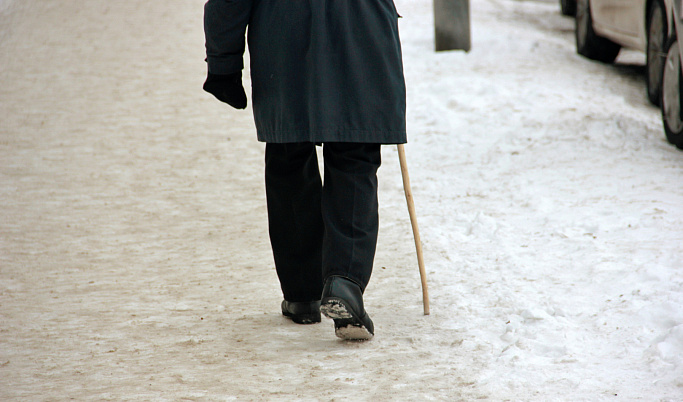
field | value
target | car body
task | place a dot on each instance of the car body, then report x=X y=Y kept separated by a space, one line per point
x=625 y=21
x=603 y=27
x=622 y=21
x=655 y=27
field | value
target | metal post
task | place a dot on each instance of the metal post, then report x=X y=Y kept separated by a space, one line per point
x=452 y=25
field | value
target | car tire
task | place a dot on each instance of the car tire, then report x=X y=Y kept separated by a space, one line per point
x=588 y=43
x=672 y=86
x=568 y=7
x=656 y=42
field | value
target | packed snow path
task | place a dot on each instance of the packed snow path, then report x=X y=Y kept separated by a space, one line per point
x=134 y=258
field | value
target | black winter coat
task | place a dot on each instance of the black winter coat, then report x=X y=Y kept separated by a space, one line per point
x=321 y=70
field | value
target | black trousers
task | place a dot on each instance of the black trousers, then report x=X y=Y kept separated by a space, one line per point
x=317 y=231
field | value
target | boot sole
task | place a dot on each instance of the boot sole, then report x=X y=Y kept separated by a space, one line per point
x=346 y=325
x=304 y=319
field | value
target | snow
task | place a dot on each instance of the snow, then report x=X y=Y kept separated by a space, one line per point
x=134 y=258
x=5 y=4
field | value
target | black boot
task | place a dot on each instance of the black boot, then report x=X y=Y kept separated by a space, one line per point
x=302 y=312
x=342 y=301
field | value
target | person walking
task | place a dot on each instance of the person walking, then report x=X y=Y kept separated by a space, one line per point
x=324 y=73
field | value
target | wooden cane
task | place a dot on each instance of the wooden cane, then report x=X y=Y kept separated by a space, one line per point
x=413 y=222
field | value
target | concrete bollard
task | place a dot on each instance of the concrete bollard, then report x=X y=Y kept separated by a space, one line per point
x=452 y=25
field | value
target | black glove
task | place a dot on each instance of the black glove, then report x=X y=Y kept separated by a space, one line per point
x=227 y=88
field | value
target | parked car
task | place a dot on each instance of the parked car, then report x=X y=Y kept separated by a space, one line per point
x=672 y=81
x=603 y=27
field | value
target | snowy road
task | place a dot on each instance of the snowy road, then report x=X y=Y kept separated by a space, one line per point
x=134 y=259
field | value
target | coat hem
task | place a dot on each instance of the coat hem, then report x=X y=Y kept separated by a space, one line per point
x=359 y=136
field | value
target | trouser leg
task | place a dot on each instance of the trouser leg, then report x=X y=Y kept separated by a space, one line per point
x=293 y=194
x=350 y=210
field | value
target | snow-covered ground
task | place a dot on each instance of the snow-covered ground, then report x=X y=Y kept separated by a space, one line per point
x=134 y=259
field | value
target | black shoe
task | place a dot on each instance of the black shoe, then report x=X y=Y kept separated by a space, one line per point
x=302 y=312
x=343 y=302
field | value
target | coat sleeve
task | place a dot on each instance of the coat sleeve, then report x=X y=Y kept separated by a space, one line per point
x=225 y=25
